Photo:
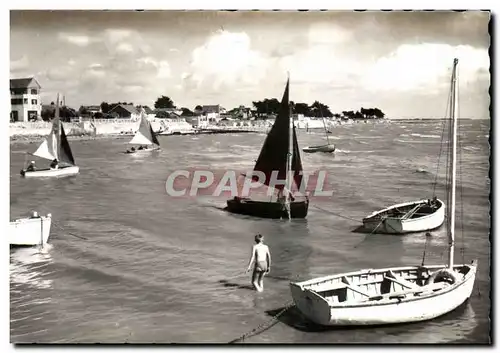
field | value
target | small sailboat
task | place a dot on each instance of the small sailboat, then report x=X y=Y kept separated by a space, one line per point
x=415 y=216
x=31 y=231
x=282 y=157
x=393 y=295
x=145 y=138
x=54 y=148
x=328 y=148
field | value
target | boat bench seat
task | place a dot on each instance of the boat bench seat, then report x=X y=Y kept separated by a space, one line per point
x=415 y=291
x=400 y=280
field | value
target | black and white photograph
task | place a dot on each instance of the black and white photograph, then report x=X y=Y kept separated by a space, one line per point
x=250 y=176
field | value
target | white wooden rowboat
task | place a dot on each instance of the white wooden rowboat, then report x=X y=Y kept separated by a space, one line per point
x=415 y=216
x=59 y=172
x=30 y=231
x=398 y=294
x=384 y=296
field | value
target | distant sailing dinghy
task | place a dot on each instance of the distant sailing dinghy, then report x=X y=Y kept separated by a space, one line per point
x=145 y=138
x=279 y=155
x=31 y=231
x=54 y=148
x=416 y=216
x=392 y=295
x=328 y=148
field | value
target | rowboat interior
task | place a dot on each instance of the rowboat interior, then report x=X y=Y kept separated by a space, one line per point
x=385 y=285
x=411 y=211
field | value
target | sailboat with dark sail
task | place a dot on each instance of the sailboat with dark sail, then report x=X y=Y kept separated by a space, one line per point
x=56 y=149
x=145 y=138
x=281 y=158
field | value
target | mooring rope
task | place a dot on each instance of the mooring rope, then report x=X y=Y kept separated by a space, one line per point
x=264 y=326
x=336 y=214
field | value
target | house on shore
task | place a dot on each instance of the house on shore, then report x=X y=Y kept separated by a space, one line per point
x=25 y=101
x=125 y=111
x=213 y=112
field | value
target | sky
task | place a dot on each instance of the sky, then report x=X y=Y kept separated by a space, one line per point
x=399 y=62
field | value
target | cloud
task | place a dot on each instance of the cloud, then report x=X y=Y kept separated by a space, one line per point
x=76 y=39
x=424 y=67
x=20 y=64
x=124 y=48
x=116 y=36
x=225 y=59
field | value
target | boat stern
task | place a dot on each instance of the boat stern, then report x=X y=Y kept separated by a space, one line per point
x=313 y=306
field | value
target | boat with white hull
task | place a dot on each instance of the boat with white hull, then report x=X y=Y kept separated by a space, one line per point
x=327 y=148
x=398 y=294
x=384 y=296
x=30 y=231
x=54 y=148
x=408 y=217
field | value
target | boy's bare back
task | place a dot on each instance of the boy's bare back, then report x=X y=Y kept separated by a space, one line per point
x=261 y=252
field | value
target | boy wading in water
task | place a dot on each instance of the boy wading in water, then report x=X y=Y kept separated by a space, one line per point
x=262 y=258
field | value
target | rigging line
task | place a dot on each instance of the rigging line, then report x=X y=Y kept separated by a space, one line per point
x=336 y=214
x=460 y=154
x=442 y=139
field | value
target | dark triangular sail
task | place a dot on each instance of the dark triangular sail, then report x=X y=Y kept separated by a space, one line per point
x=274 y=152
x=65 y=154
x=296 y=161
x=154 y=139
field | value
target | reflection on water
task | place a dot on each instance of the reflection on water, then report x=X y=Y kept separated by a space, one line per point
x=27 y=266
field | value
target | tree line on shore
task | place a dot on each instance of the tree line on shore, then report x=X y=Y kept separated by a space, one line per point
x=263 y=109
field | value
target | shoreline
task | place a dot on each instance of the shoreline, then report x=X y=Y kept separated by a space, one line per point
x=14 y=139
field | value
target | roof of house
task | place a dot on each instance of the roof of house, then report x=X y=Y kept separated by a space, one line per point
x=22 y=82
x=166 y=110
x=92 y=107
x=129 y=107
x=211 y=108
x=147 y=109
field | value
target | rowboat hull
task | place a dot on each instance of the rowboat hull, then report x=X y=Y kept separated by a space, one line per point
x=45 y=173
x=389 y=221
x=263 y=209
x=30 y=231
x=323 y=148
x=327 y=301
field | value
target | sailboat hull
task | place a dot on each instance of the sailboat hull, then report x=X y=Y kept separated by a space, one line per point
x=329 y=301
x=46 y=173
x=143 y=151
x=30 y=231
x=323 y=148
x=263 y=209
x=399 y=219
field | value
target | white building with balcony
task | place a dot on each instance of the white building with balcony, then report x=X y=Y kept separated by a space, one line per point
x=25 y=99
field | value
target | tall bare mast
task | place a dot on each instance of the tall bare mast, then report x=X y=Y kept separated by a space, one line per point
x=454 y=106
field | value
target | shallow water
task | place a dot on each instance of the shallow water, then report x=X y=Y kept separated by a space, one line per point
x=156 y=269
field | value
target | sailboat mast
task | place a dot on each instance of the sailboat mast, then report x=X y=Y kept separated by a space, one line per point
x=58 y=139
x=324 y=126
x=454 y=105
x=289 y=154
